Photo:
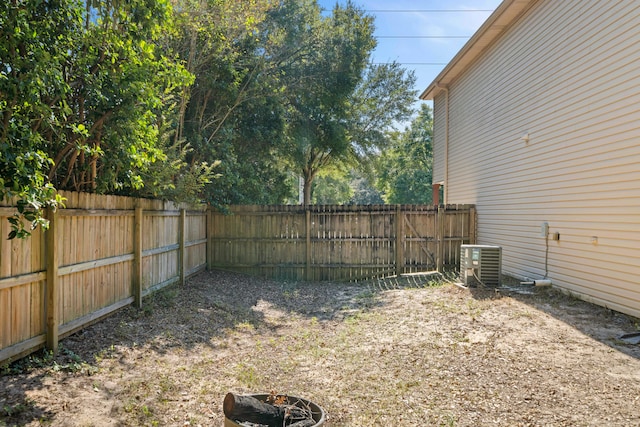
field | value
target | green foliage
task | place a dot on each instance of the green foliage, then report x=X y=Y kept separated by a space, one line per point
x=364 y=193
x=66 y=361
x=221 y=101
x=233 y=111
x=332 y=53
x=383 y=99
x=337 y=187
x=331 y=189
x=405 y=170
x=123 y=82
x=174 y=178
x=82 y=88
x=37 y=41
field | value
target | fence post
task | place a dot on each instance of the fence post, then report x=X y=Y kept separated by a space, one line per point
x=399 y=240
x=307 y=269
x=51 y=302
x=137 y=257
x=182 y=242
x=208 y=234
x=440 y=237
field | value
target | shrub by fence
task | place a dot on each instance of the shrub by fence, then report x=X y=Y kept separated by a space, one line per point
x=339 y=242
x=99 y=254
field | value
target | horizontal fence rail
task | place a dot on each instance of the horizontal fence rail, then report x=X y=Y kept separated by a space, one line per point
x=102 y=253
x=99 y=254
x=339 y=242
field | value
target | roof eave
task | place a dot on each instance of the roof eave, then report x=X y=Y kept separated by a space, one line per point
x=508 y=12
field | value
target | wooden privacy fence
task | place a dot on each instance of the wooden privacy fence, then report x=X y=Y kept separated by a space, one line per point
x=102 y=253
x=339 y=242
x=99 y=254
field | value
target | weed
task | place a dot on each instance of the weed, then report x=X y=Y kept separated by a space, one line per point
x=106 y=353
x=289 y=294
x=245 y=326
x=459 y=337
x=449 y=421
x=474 y=309
x=40 y=359
x=352 y=318
x=247 y=375
x=166 y=297
x=145 y=411
x=14 y=410
x=445 y=306
x=147 y=310
x=366 y=296
x=167 y=384
x=523 y=314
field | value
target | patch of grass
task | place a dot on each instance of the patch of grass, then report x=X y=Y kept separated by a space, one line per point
x=245 y=326
x=142 y=412
x=166 y=297
x=523 y=314
x=445 y=306
x=448 y=421
x=247 y=375
x=10 y=411
x=366 y=297
x=39 y=359
x=291 y=294
x=65 y=361
x=474 y=308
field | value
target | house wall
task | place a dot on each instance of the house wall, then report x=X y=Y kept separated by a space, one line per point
x=568 y=73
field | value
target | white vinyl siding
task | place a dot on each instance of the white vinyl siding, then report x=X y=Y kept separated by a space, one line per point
x=568 y=73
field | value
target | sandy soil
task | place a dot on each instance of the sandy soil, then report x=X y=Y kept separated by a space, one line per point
x=384 y=353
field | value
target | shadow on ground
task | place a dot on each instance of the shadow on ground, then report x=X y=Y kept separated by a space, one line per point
x=214 y=305
x=600 y=323
x=211 y=305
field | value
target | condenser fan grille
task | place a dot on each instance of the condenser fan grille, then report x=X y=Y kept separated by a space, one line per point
x=480 y=265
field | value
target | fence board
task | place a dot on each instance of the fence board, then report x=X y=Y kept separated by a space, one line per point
x=94 y=265
x=5 y=317
x=97 y=261
x=340 y=242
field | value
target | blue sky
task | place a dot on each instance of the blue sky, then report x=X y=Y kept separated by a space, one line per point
x=405 y=35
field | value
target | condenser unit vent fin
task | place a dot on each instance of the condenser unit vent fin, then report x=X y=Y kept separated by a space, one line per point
x=480 y=265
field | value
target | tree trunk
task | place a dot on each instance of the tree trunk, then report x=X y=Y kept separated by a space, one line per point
x=308 y=181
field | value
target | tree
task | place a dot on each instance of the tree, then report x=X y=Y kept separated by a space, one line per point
x=342 y=112
x=84 y=91
x=405 y=170
x=280 y=88
x=123 y=89
x=339 y=187
x=383 y=99
x=331 y=189
x=233 y=113
x=333 y=53
x=363 y=192
x=37 y=40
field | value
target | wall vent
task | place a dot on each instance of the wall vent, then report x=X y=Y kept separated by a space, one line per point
x=480 y=265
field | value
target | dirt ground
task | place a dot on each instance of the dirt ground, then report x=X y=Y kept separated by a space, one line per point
x=393 y=352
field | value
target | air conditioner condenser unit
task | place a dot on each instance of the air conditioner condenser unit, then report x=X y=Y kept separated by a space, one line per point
x=480 y=265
